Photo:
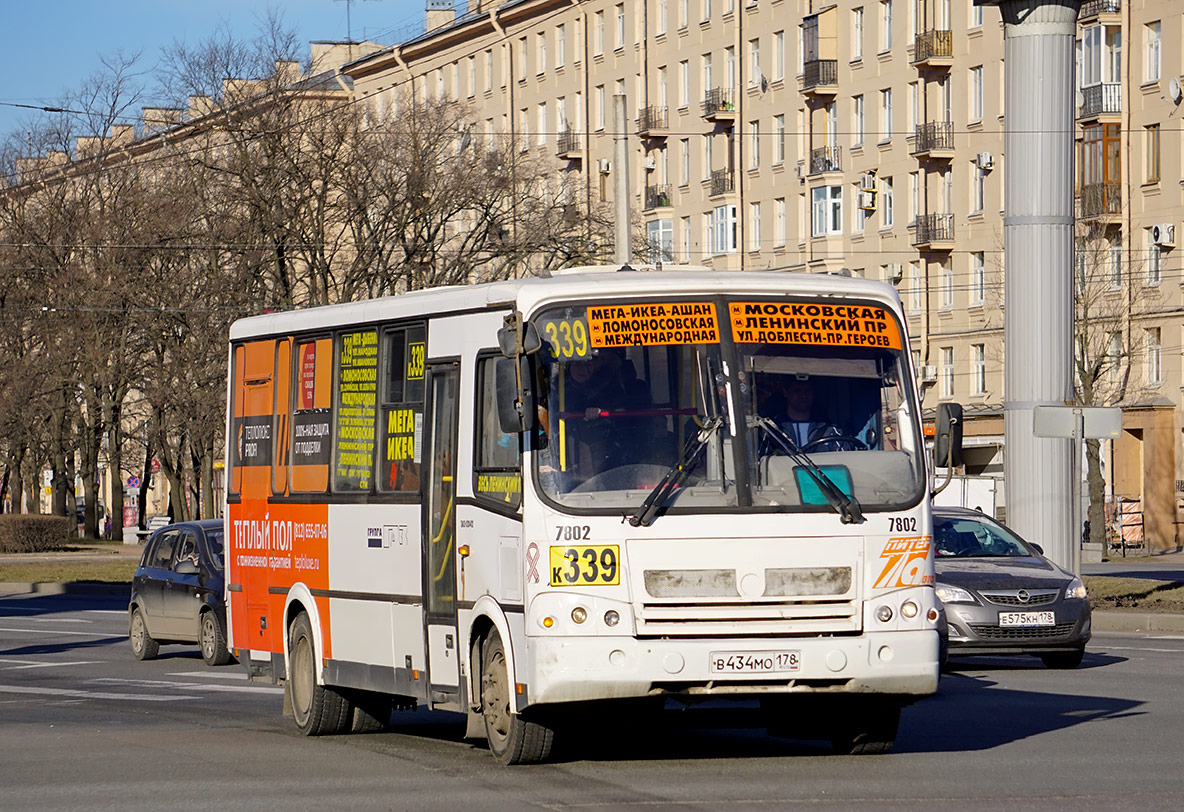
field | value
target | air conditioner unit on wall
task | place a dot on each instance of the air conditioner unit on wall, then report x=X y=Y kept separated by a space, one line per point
x=929 y=374
x=801 y=170
x=649 y=162
x=867 y=201
x=984 y=160
x=1164 y=235
x=603 y=165
x=895 y=272
x=867 y=182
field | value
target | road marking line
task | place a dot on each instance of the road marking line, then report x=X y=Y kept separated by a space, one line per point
x=235 y=675
x=60 y=620
x=188 y=686
x=56 y=631
x=1137 y=648
x=75 y=694
x=27 y=664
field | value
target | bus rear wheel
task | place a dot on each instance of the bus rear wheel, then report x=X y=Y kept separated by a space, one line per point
x=318 y=709
x=513 y=739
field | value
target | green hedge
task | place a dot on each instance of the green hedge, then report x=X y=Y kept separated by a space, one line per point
x=25 y=533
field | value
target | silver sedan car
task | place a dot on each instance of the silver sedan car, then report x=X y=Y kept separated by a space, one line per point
x=1002 y=596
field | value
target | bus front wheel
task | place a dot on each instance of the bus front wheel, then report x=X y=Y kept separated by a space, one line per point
x=319 y=710
x=513 y=739
x=868 y=729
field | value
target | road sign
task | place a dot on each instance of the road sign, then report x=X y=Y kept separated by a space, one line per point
x=155 y=466
x=133 y=481
x=1096 y=422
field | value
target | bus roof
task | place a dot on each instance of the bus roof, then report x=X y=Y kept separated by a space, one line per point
x=596 y=283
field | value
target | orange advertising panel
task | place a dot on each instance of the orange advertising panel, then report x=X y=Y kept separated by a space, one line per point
x=274 y=545
x=824 y=325
x=644 y=325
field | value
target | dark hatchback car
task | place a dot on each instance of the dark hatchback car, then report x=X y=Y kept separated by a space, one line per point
x=177 y=592
x=1002 y=596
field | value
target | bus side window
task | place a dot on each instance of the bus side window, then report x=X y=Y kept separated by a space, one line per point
x=400 y=457
x=355 y=416
x=253 y=439
x=311 y=412
x=497 y=458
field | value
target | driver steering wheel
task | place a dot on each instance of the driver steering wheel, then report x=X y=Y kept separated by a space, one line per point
x=846 y=439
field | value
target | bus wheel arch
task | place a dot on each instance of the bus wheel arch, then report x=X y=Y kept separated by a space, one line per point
x=488 y=617
x=300 y=601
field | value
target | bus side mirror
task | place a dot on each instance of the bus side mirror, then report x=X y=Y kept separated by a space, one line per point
x=515 y=406
x=507 y=340
x=947 y=447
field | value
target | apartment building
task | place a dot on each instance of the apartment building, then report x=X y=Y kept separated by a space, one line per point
x=863 y=137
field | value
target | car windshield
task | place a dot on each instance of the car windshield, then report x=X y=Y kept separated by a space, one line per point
x=623 y=390
x=971 y=537
x=214 y=540
x=834 y=380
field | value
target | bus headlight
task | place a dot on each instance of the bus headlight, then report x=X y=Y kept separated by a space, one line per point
x=579 y=614
x=909 y=609
x=611 y=618
x=883 y=613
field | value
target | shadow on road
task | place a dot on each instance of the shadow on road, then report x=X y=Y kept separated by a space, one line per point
x=59 y=648
x=35 y=605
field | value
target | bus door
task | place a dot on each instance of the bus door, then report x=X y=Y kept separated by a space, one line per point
x=440 y=528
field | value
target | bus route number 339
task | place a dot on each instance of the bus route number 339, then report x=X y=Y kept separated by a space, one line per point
x=594 y=565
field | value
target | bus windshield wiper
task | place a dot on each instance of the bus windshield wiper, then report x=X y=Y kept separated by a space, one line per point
x=846 y=506
x=687 y=460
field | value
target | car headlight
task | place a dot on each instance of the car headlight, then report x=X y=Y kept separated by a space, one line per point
x=953 y=594
x=1076 y=589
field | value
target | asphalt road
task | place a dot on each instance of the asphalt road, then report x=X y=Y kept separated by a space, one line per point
x=85 y=726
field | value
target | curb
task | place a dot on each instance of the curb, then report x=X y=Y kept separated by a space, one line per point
x=24 y=587
x=1137 y=622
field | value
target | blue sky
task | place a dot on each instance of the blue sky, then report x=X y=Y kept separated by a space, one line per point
x=48 y=47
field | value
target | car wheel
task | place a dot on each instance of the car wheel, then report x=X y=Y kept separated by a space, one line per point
x=212 y=639
x=868 y=729
x=318 y=709
x=143 y=646
x=1063 y=659
x=513 y=739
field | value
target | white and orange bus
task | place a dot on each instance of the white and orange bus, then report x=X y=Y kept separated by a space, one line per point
x=522 y=499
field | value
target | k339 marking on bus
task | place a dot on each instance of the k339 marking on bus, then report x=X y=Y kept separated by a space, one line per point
x=903 y=562
x=585 y=566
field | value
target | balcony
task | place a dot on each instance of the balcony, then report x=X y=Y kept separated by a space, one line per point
x=826 y=159
x=568 y=146
x=651 y=122
x=933 y=49
x=657 y=197
x=820 y=77
x=1099 y=8
x=935 y=232
x=718 y=105
x=1099 y=101
x=723 y=181
x=934 y=139
x=1100 y=200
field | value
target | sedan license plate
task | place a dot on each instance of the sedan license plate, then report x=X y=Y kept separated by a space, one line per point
x=1021 y=619
x=754 y=662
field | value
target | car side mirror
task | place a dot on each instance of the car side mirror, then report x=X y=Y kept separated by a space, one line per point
x=185 y=567
x=1036 y=547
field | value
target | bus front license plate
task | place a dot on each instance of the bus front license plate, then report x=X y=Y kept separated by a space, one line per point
x=1022 y=619
x=754 y=662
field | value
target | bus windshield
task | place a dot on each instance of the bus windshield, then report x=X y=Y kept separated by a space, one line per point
x=809 y=408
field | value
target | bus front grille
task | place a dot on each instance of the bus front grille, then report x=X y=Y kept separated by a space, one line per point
x=738 y=619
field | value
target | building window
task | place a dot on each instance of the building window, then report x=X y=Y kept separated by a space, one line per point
x=599 y=104
x=885 y=115
x=779 y=222
x=684 y=83
x=885 y=26
x=754 y=145
x=755 y=77
x=754 y=226
x=661 y=23
x=857 y=125
x=976 y=93
x=542 y=133
x=778 y=56
x=861 y=214
x=978 y=354
x=541 y=54
x=1114 y=356
x=707 y=162
x=857 y=33
x=779 y=139
x=660 y=238
x=560 y=45
x=706 y=10
x=826 y=211
x=684 y=13
x=947 y=285
x=1154 y=260
x=1152 y=131
x=619 y=41
x=976 y=15
x=598 y=34
x=917 y=288
x=947 y=372
x=1154 y=356
x=708 y=79
x=914 y=196
x=978 y=177
x=724 y=218
x=684 y=161
x=523 y=58
x=686 y=239
x=978 y=277
x=887 y=203
x=1151 y=32
x=914 y=110
x=1114 y=263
